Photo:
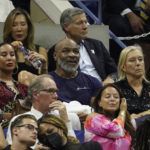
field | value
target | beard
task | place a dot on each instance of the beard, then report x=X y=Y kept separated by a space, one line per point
x=66 y=67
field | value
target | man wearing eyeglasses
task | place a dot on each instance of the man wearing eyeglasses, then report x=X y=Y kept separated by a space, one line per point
x=24 y=131
x=42 y=93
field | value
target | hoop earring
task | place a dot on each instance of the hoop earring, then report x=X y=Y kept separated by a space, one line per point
x=15 y=71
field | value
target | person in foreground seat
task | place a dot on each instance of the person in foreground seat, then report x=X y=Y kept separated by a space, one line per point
x=53 y=134
x=110 y=123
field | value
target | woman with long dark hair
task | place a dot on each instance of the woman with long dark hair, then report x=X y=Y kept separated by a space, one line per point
x=110 y=123
x=10 y=90
x=19 y=30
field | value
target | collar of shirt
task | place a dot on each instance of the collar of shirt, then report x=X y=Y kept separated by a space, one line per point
x=36 y=113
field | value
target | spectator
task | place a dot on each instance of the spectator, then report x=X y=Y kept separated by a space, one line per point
x=142 y=136
x=42 y=92
x=24 y=131
x=123 y=17
x=19 y=30
x=132 y=81
x=78 y=86
x=10 y=90
x=110 y=123
x=53 y=134
x=94 y=58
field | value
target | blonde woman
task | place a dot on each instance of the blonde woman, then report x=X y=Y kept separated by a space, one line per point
x=132 y=81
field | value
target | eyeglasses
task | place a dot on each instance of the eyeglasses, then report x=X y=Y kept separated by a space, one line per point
x=51 y=90
x=29 y=126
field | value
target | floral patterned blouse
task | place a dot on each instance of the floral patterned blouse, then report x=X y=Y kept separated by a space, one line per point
x=8 y=96
x=110 y=134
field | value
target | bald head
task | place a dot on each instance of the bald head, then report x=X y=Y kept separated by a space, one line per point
x=66 y=43
x=67 y=55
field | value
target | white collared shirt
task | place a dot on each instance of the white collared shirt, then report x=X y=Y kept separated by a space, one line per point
x=85 y=63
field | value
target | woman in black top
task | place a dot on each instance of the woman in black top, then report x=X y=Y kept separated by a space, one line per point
x=19 y=30
x=132 y=81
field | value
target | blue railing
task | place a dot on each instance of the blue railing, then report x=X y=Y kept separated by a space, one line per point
x=98 y=20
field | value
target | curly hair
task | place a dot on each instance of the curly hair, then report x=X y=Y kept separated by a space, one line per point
x=59 y=123
x=143 y=136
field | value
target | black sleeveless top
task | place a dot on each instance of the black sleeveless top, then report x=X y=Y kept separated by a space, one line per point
x=25 y=66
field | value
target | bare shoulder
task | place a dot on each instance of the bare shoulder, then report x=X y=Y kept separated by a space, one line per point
x=42 y=49
x=91 y=115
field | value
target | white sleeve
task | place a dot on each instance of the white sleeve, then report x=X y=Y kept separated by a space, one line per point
x=70 y=130
x=73 y=124
x=125 y=11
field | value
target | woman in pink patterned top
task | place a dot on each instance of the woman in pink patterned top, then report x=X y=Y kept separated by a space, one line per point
x=110 y=124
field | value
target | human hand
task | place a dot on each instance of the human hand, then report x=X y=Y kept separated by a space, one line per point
x=16 y=44
x=135 y=116
x=82 y=116
x=36 y=56
x=108 y=80
x=8 y=115
x=136 y=23
x=147 y=6
x=40 y=146
x=58 y=105
x=123 y=109
x=123 y=105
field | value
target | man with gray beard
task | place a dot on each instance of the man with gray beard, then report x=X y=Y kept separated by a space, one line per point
x=72 y=84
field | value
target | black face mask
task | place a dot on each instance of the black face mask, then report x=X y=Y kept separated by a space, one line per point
x=53 y=141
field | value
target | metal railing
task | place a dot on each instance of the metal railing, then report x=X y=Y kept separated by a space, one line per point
x=98 y=20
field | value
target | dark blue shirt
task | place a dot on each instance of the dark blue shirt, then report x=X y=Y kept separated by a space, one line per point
x=80 y=88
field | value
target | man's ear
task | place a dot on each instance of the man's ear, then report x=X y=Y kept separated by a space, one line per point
x=15 y=131
x=35 y=94
x=54 y=55
x=66 y=27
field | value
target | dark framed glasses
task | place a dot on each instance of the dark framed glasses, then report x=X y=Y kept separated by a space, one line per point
x=50 y=90
x=28 y=126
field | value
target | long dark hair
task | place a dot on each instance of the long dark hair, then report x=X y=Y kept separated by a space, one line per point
x=128 y=125
x=29 y=41
x=143 y=136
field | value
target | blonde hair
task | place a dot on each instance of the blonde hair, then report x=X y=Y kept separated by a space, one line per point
x=28 y=42
x=123 y=59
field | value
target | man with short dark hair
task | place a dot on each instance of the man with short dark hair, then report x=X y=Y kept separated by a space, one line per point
x=24 y=131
